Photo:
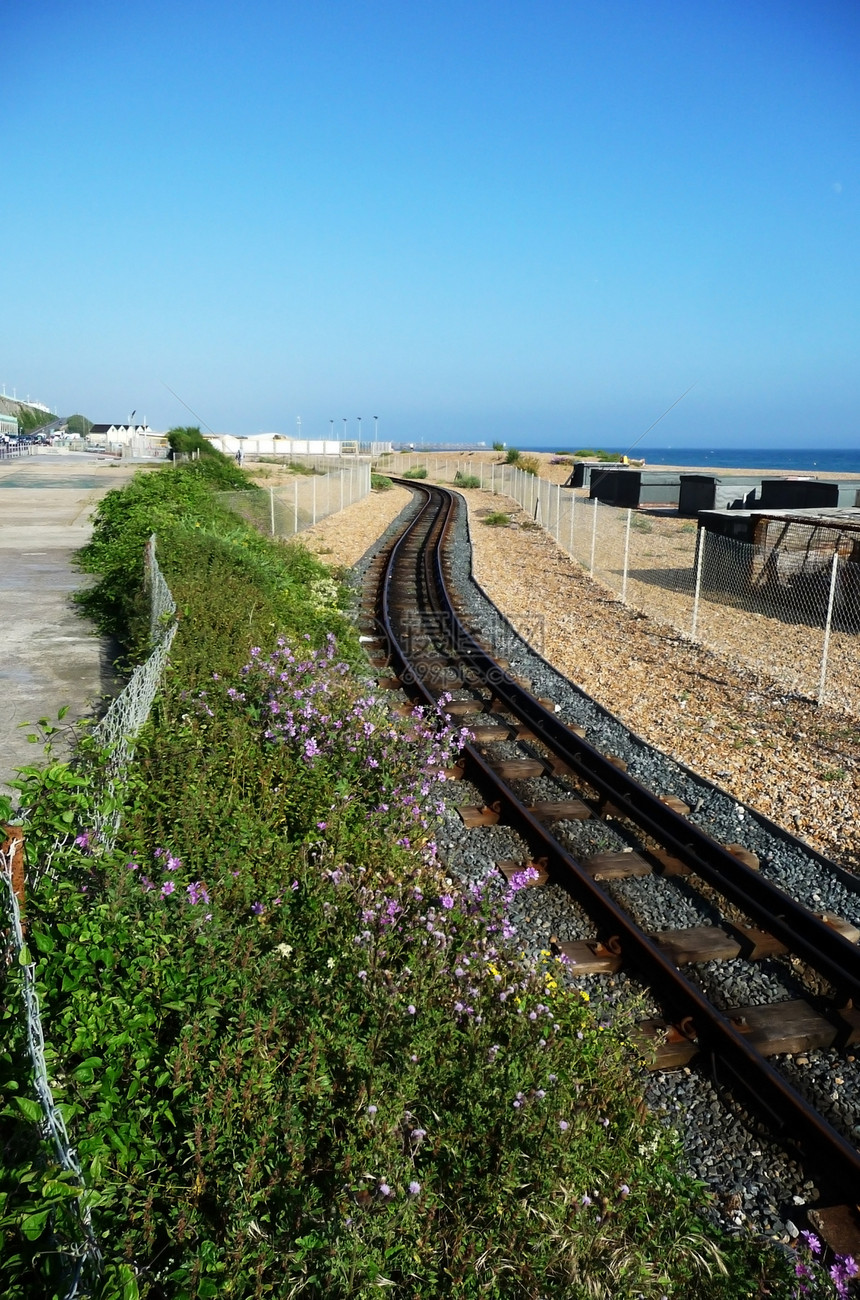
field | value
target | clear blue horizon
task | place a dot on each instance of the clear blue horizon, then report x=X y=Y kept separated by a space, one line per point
x=537 y=224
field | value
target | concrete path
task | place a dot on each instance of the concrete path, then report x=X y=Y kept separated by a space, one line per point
x=49 y=655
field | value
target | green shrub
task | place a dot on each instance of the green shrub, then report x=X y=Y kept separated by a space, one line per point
x=380 y=483
x=512 y=456
x=462 y=480
x=529 y=465
x=497 y=519
x=418 y=471
x=498 y=446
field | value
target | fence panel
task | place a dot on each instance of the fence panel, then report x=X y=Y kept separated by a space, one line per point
x=290 y=509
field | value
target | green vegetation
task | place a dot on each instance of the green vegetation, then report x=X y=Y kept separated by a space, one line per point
x=29 y=419
x=463 y=480
x=294 y=1058
x=497 y=519
x=296 y=467
x=380 y=483
x=417 y=472
x=512 y=456
x=498 y=446
x=606 y=456
x=79 y=424
x=529 y=465
x=641 y=523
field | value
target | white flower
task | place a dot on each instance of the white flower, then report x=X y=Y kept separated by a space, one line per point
x=330 y=963
x=284 y=949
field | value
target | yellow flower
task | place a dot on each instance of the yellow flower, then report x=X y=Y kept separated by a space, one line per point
x=584 y=996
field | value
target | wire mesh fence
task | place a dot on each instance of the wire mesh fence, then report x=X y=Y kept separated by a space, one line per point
x=786 y=606
x=313 y=495
x=116 y=733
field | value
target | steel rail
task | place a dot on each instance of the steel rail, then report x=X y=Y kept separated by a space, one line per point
x=827 y=951
x=705 y=1024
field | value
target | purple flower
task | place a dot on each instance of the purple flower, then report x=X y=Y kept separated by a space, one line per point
x=294 y=885
x=411 y=1009
x=563 y=1125
x=812 y=1242
x=371 y=1110
x=257 y=909
x=83 y=840
x=146 y=884
x=414 y=1188
x=418 y=1133
x=167 y=888
x=197 y=893
x=362 y=974
x=172 y=863
x=447 y=901
x=624 y=1191
x=384 y=1189
x=586 y=1200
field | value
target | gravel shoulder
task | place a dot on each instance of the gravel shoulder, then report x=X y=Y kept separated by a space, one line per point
x=342 y=538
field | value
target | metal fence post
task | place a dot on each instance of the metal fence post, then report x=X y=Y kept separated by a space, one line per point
x=626 y=557
x=572 y=512
x=700 y=559
x=827 y=625
x=314 y=499
x=593 y=538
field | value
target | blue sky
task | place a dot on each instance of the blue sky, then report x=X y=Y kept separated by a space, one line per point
x=538 y=222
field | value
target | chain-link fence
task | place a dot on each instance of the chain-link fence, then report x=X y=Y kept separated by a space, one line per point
x=786 y=606
x=285 y=511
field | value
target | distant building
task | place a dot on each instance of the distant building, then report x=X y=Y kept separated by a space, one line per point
x=8 y=426
x=117 y=434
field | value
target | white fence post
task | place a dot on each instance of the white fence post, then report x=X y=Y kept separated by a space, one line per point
x=827 y=625
x=700 y=559
x=572 y=511
x=314 y=499
x=593 y=538
x=626 y=558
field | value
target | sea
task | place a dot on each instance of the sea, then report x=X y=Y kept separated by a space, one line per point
x=815 y=460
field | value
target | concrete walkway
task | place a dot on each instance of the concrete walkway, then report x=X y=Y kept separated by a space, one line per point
x=49 y=655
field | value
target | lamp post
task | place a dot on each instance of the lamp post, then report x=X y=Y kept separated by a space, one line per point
x=344 y=428
x=359 y=432
x=331 y=422
x=376 y=428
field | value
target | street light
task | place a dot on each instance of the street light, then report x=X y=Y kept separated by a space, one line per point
x=376 y=428
x=358 y=417
x=344 y=428
x=331 y=422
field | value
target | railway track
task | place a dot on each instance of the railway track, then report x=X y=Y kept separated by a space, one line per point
x=418 y=637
